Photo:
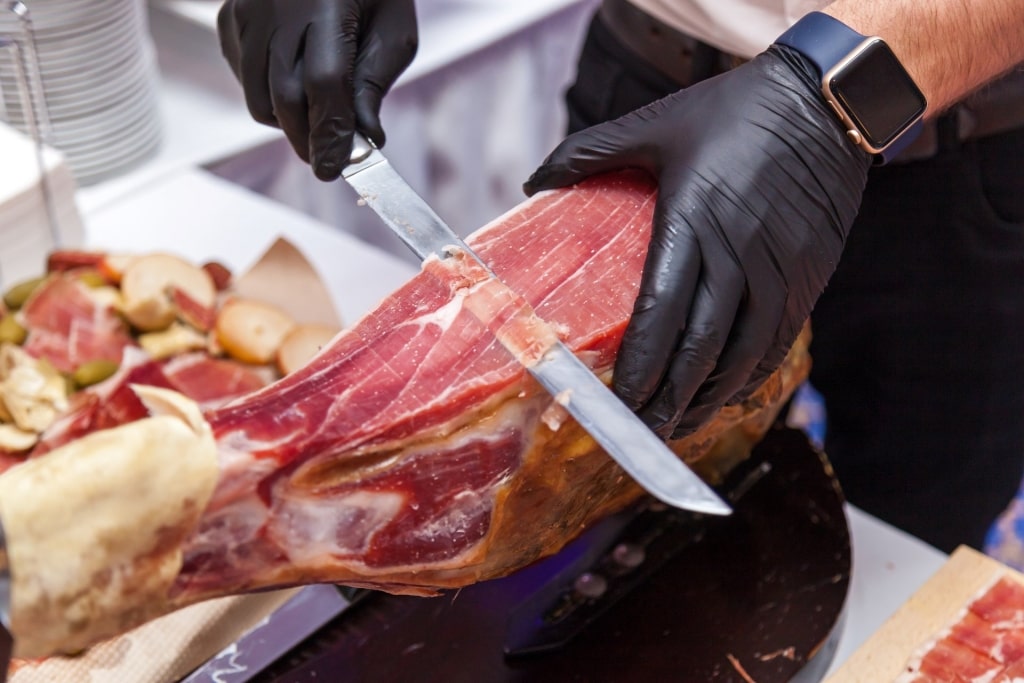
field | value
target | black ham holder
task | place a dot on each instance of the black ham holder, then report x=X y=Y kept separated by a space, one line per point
x=652 y=594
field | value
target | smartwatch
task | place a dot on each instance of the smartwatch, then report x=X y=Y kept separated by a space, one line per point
x=862 y=80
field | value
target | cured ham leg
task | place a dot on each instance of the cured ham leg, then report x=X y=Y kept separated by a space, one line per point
x=413 y=454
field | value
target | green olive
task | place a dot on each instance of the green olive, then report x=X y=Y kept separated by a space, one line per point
x=70 y=386
x=16 y=296
x=93 y=371
x=11 y=330
x=92 y=278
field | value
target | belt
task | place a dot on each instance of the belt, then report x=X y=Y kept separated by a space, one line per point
x=993 y=109
x=682 y=58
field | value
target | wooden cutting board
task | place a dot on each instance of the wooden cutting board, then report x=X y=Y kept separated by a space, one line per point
x=931 y=609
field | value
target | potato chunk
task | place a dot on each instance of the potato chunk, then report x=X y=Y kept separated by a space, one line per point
x=301 y=344
x=148 y=285
x=252 y=331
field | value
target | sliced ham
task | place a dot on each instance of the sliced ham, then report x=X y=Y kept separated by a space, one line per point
x=107 y=404
x=10 y=459
x=68 y=327
x=209 y=381
x=1000 y=641
x=950 y=661
x=1002 y=606
x=984 y=645
x=413 y=453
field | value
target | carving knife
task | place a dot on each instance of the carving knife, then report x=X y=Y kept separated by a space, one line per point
x=287 y=626
x=637 y=449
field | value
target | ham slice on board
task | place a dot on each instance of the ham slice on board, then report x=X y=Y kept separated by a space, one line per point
x=964 y=625
x=412 y=454
x=984 y=645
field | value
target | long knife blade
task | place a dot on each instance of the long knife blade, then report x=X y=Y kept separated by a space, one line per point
x=614 y=426
x=287 y=626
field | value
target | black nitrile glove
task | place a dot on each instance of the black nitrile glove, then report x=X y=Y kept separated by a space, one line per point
x=318 y=69
x=758 y=186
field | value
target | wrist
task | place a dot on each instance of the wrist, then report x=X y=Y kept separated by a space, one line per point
x=873 y=96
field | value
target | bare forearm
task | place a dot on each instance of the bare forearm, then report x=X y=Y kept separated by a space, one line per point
x=950 y=47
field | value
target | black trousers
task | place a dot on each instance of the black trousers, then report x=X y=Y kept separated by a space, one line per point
x=919 y=337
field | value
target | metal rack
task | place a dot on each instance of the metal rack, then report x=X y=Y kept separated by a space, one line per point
x=21 y=53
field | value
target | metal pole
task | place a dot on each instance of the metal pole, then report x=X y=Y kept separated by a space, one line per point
x=30 y=86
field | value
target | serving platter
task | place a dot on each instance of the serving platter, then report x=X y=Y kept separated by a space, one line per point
x=756 y=597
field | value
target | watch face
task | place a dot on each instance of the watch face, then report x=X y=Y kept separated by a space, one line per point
x=877 y=93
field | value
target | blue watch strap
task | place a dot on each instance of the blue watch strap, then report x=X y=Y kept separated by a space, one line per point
x=825 y=41
x=900 y=143
x=821 y=39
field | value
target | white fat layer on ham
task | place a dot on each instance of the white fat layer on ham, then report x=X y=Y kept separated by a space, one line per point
x=1014 y=623
x=241 y=519
x=311 y=528
x=444 y=317
x=316 y=529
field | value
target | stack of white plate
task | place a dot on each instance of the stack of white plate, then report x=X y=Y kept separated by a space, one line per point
x=37 y=209
x=99 y=82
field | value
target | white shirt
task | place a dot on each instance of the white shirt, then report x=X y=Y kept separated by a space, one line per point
x=739 y=27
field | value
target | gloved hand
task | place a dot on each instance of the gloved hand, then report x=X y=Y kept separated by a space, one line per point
x=758 y=186
x=318 y=69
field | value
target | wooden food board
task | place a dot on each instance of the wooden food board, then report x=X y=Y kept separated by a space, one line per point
x=936 y=605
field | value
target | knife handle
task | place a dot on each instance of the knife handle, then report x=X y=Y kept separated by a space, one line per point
x=362 y=147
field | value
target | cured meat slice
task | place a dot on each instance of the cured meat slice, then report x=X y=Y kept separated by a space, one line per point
x=107 y=404
x=1011 y=674
x=956 y=663
x=210 y=381
x=1001 y=641
x=68 y=327
x=984 y=645
x=1002 y=606
x=412 y=454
